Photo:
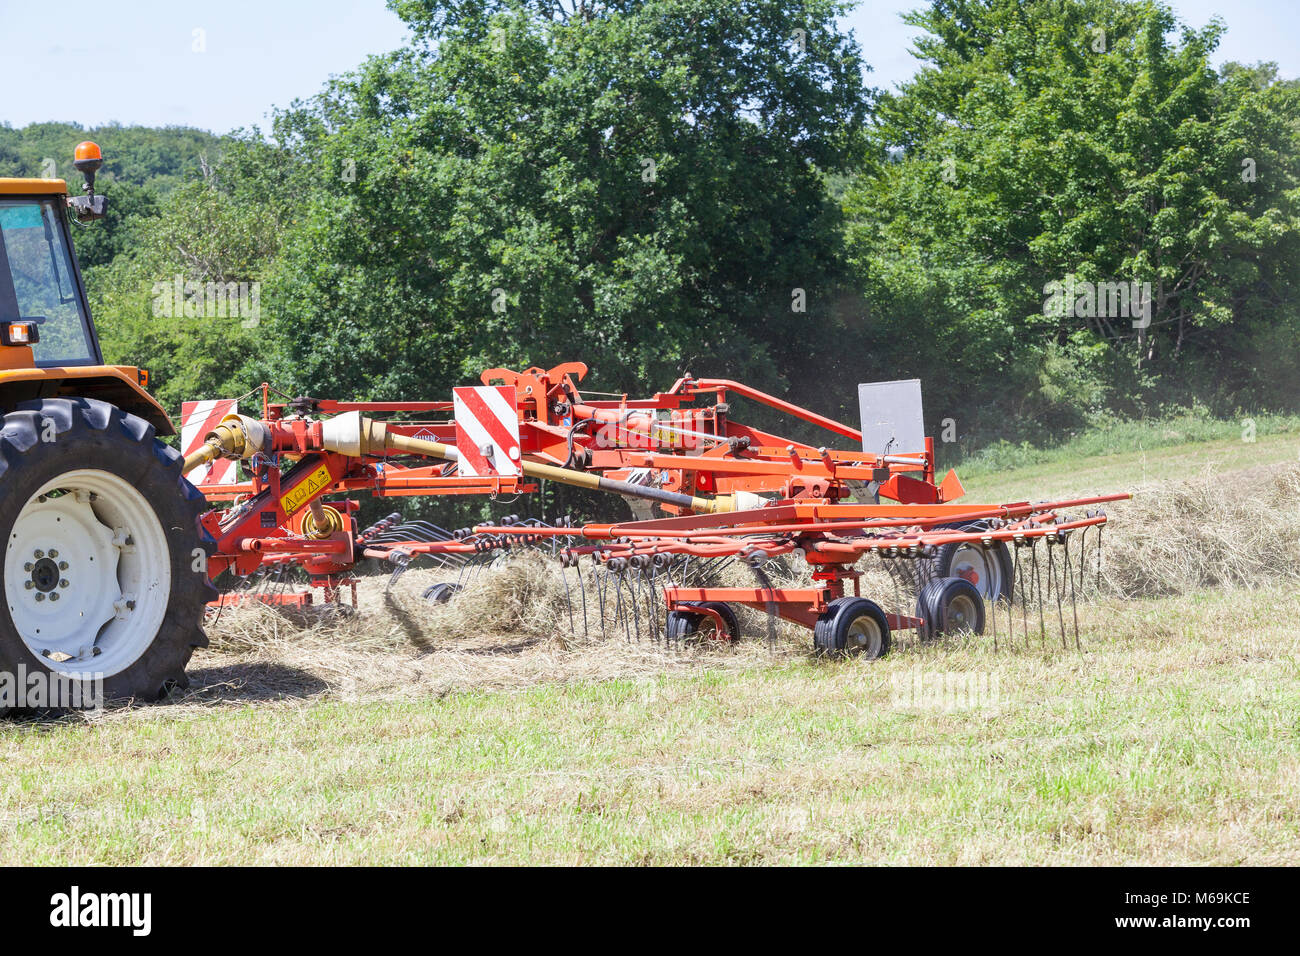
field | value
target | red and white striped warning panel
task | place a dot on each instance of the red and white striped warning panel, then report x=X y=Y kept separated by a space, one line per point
x=197 y=419
x=487 y=431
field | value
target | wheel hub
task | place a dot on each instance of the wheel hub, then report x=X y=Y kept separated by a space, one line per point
x=45 y=575
x=961 y=613
x=863 y=635
x=980 y=569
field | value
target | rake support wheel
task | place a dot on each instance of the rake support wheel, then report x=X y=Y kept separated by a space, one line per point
x=684 y=625
x=852 y=627
x=949 y=605
x=442 y=592
x=989 y=569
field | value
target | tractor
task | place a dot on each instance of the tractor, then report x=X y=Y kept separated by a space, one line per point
x=104 y=558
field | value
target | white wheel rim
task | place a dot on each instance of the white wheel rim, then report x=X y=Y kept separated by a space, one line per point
x=864 y=637
x=979 y=568
x=87 y=573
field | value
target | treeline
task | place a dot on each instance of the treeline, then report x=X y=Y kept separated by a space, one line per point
x=1066 y=215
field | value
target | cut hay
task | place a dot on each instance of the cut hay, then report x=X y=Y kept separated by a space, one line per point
x=512 y=627
x=1211 y=531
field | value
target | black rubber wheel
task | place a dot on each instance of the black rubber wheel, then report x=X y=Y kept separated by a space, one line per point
x=950 y=605
x=143 y=522
x=851 y=627
x=685 y=625
x=989 y=569
x=442 y=592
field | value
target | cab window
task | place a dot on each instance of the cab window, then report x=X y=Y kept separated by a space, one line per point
x=38 y=282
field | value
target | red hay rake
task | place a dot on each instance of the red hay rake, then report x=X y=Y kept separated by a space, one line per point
x=728 y=493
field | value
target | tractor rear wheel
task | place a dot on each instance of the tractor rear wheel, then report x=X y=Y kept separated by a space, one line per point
x=104 y=566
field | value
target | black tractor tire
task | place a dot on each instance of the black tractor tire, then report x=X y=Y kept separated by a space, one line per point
x=683 y=625
x=43 y=439
x=851 y=627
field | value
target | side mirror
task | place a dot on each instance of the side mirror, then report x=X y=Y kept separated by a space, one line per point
x=88 y=159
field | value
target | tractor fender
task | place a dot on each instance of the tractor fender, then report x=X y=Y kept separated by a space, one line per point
x=120 y=385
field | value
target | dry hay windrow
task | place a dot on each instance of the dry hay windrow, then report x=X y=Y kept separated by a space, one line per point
x=1211 y=531
x=512 y=627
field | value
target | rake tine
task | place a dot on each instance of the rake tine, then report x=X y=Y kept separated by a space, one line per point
x=582 y=590
x=993 y=615
x=769 y=605
x=636 y=607
x=1060 y=614
x=1024 y=605
x=618 y=608
x=600 y=589
x=1074 y=609
x=654 y=605
x=568 y=598
x=898 y=603
x=1099 y=559
x=1083 y=541
x=1038 y=599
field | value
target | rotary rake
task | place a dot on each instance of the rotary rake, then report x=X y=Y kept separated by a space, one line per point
x=728 y=494
x=915 y=548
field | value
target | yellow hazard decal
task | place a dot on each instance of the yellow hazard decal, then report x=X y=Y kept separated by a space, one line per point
x=305 y=490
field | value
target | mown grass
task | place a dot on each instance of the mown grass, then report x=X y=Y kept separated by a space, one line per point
x=1172 y=737
x=1174 y=740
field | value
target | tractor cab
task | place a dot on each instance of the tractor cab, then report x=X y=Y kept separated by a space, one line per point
x=48 y=345
x=42 y=304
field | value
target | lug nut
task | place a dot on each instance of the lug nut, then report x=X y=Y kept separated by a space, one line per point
x=28 y=566
x=63 y=583
x=39 y=553
x=53 y=553
x=28 y=585
x=63 y=565
x=54 y=595
x=40 y=596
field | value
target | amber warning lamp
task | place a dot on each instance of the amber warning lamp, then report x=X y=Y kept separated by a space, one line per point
x=87 y=158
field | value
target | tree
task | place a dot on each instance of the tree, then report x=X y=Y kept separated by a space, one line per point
x=1085 y=143
x=637 y=184
x=185 y=301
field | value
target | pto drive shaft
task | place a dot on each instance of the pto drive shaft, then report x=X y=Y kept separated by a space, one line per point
x=239 y=436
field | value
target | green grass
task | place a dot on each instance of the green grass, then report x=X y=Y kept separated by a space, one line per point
x=1172 y=738
x=1178 y=742
x=1129 y=438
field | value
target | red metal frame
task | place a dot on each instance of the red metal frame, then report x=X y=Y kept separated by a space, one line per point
x=686 y=438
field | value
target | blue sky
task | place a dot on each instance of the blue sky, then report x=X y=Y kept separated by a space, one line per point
x=136 y=62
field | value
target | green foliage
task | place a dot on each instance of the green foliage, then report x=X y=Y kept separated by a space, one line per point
x=651 y=186
x=640 y=187
x=1086 y=139
x=142 y=164
x=223 y=228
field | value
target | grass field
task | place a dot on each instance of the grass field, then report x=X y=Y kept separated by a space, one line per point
x=1172 y=737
